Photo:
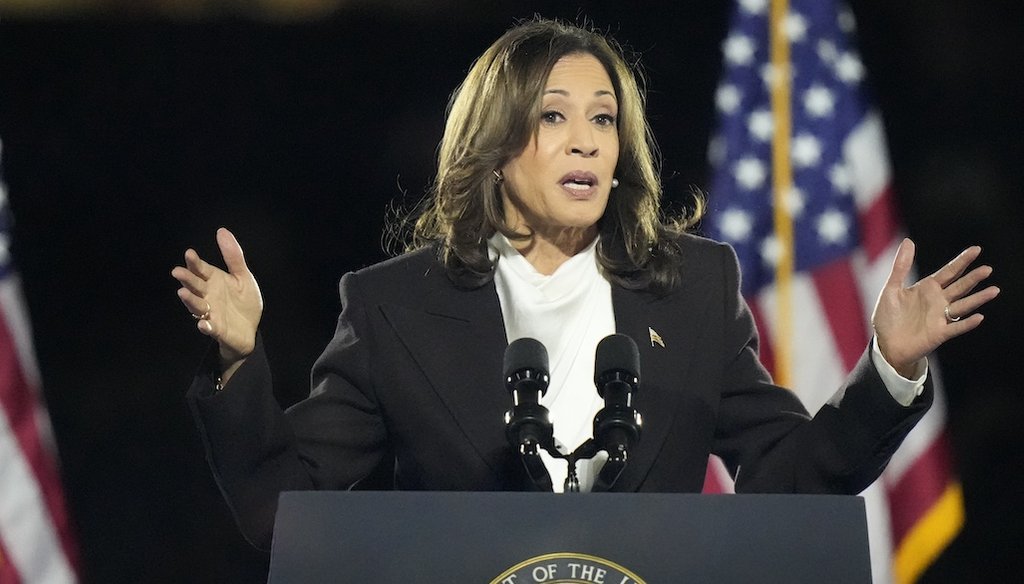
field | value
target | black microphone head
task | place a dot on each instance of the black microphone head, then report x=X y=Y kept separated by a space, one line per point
x=616 y=352
x=525 y=353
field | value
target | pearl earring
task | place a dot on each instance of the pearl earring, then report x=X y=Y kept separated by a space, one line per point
x=615 y=182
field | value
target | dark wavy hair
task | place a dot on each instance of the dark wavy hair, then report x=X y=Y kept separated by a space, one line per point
x=491 y=117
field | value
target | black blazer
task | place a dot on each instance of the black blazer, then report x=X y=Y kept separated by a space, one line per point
x=411 y=383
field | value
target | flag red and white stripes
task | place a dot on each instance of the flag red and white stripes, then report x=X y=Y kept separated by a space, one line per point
x=802 y=192
x=36 y=544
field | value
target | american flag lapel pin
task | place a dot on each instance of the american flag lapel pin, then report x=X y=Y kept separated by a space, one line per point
x=655 y=338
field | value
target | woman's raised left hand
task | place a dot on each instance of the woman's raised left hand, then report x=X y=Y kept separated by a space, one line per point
x=911 y=322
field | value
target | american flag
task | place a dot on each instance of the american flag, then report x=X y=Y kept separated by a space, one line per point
x=36 y=545
x=801 y=190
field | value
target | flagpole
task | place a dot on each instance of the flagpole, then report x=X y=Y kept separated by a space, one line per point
x=780 y=79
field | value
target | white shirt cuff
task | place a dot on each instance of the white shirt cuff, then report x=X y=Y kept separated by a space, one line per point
x=901 y=389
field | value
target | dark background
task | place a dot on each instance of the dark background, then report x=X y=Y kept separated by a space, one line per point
x=128 y=138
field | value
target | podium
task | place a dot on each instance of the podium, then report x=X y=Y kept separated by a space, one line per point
x=600 y=538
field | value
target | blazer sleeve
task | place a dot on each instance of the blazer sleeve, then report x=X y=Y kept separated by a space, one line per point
x=330 y=440
x=768 y=440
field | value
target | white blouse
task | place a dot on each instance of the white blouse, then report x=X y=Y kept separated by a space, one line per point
x=569 y=311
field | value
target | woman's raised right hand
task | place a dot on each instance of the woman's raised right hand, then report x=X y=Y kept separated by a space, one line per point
x=227 y=305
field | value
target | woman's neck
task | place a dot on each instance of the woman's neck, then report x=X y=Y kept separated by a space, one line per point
x=546 y=252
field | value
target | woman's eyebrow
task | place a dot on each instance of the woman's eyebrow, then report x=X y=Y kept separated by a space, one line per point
x=598 y=93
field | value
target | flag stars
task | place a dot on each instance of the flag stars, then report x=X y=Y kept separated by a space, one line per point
x=728 y=98
x=760 y=125
x=806 y=151
x=794 y=202
x=738 y=49
x=772 y=250
x=772 y=75
x=794 y=26
x=819 y=101
x=827 y=51
x=849 y=68
x=847 y=23
x=754 y=6
x=750 y=172
x=840 y=178
x=736 y=225
x=833 y=227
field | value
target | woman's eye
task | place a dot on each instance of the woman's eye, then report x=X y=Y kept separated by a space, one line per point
x=551 y=116
x=605 y=119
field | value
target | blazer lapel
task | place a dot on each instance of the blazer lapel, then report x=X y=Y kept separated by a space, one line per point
x=665 y=330
x=458 y=341
x=457 y=338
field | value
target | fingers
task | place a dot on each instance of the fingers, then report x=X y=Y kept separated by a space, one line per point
x=197 y=271
x=199 y=308
x=197 y=265
x=969 y=304
x=949 y=273
x=963 y=286
x=965 y=325
x=189 y=280
x=961 y=315
x=197 y=305
x=902 y=263
x=194 y=278
x=234 y=259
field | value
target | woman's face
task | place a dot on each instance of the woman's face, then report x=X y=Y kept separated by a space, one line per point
x=562 y=178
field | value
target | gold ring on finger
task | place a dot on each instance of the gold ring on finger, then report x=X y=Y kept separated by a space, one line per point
x=950 y=317
x=206 y=315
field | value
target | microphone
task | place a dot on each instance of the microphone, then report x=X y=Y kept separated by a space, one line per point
x=617 y=426
x=527 y=426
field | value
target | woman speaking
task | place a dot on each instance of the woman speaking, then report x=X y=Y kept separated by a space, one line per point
x=544 y=222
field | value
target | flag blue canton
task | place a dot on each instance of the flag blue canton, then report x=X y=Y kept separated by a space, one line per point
x=827 y=103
